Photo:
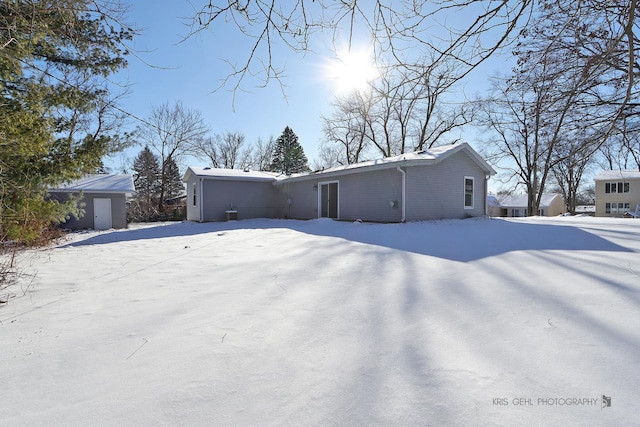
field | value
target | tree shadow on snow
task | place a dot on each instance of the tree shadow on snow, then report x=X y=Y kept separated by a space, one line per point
x=455 y=240
x=158 y=231
x=472 y=239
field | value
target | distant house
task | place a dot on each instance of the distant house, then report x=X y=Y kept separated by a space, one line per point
x=104 y=198
x=442 y=182
x=589 y=210
x=493 y=206
x=516 y=205
x=618 y=193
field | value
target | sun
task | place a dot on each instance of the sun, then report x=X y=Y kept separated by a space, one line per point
x=351 y=70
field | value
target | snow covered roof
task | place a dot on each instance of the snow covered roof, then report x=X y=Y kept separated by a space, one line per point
x=618 y=174
x=493 y=201
x=425 y=157
x=101 y=183
x=520 y=200
x=585 y=209
x=230 y=174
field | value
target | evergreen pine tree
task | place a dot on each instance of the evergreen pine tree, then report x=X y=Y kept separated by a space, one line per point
x=288 y=155
x=54 y=59
x=147 y=182
x=174 y=186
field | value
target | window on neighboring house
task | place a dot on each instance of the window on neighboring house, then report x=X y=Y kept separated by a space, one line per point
x=616 y=208
x=518 y=212
x=194 y=194
x=616 y=187
x=468 y=192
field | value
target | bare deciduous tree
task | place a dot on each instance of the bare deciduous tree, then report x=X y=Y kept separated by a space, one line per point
x=226 y=151
x=569 y=93
x=402 y=112
x=533 y=119
x=593 y=38
x=261 y=154
x=394 y=27
x=345 y=131
x=171 y=131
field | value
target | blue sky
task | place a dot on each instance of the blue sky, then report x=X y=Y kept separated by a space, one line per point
x=169 y=69
x=190 y=71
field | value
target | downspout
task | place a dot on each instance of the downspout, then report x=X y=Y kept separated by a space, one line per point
x=486 y=194
x=201 y=200
x=404 y=194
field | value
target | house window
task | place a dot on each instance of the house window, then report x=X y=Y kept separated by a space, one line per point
x=616 y=187
x=468 y=192
x=194 y=194
x=616 y=208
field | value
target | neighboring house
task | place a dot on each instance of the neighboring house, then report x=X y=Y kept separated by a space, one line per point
x=493 y=206
x=617 y=193
x=589 y=210
x=516 y=205
x=104 y=198
x=442 y=182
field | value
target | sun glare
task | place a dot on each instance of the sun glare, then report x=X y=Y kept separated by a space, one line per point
x=351 y=70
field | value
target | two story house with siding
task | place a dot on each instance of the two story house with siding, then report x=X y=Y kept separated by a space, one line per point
x=618 y=193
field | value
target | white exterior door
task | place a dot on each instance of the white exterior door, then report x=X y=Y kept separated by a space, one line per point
x=101 y=214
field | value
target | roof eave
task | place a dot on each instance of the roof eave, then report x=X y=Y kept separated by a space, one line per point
x=190 y=172
x=88 y=190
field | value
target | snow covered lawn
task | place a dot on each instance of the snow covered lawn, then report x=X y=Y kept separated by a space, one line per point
x=274 y=322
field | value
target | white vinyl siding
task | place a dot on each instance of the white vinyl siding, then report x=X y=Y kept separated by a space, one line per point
x=437 y=191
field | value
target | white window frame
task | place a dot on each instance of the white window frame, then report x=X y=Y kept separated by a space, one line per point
x=473 y=191
x=616 y=187
x=194 y=195
x=614 y=208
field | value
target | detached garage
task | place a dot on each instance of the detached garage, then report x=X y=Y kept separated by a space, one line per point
x=104 y=198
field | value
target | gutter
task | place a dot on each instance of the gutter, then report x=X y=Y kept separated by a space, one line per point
x=486 y=194
x=201 y=200
x=404 y=194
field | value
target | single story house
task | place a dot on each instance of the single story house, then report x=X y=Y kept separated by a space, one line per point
x=441 y=182
x=589 y=210
x=104 y=197
x=618 y=193
x=516 y=205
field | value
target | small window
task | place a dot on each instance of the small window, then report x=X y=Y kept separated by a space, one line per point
x=468 y=192
x=194 y=194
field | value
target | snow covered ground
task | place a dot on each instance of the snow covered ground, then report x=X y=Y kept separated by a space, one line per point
x=274 y=322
